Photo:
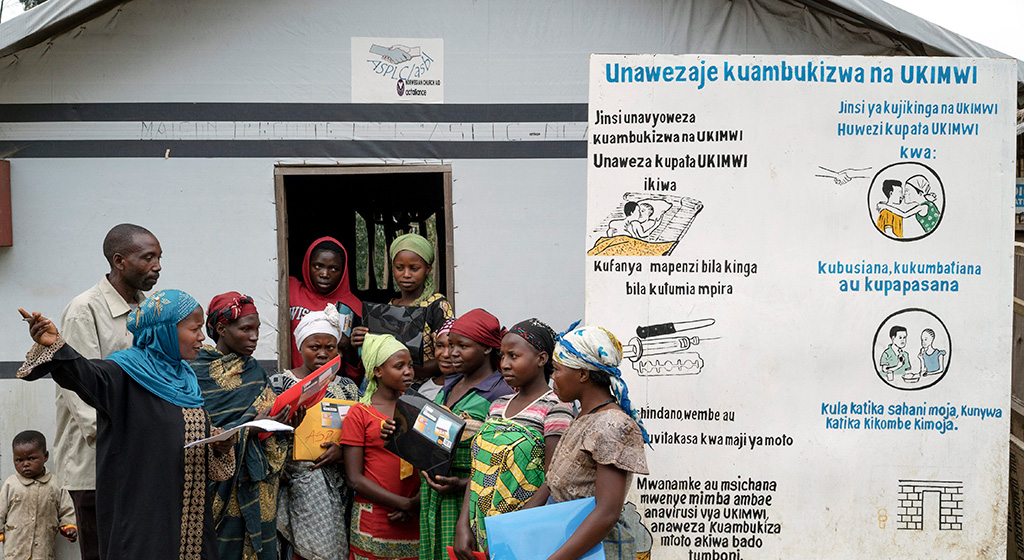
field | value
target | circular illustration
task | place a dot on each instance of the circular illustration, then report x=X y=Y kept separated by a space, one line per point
x=906 y=201
x=911 y=350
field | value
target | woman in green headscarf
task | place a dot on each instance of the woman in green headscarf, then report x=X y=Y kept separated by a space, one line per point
x=412 y=260
x=385 y=524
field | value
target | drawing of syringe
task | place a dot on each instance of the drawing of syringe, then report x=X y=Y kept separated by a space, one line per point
x=683 y=362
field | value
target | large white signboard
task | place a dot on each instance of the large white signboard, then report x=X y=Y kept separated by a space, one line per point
x=397 y=70
x=809 y=263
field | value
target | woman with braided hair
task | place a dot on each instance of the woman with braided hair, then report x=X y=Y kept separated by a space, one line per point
x=516 y=443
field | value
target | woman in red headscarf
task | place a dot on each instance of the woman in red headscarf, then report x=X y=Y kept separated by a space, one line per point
x=474 y=343
x=235 y=391
x=324 y=280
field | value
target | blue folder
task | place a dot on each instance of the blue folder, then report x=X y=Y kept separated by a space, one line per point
x=534 y=533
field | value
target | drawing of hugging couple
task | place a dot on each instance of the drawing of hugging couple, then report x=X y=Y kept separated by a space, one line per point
x=903 y=200
x=896 y=361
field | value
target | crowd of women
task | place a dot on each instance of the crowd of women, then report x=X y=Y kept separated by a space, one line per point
x=548 y=418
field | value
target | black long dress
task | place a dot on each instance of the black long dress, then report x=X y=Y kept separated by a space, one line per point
x=151 y=499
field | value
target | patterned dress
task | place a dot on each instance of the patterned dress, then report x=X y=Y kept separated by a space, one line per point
x=508 y=457
x=311 y=507
x=235 y=390
x=439 y=310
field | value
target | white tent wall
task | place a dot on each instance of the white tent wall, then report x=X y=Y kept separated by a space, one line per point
x=495 y=52
x=519 y=244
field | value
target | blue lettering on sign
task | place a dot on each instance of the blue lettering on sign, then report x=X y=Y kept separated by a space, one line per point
x=1020 y=197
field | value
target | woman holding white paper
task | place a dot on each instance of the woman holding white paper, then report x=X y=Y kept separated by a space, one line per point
x=235 y=391
x=311 y=505
x=148 y=406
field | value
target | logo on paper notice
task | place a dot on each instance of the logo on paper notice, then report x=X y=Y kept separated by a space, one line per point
x=397 y=70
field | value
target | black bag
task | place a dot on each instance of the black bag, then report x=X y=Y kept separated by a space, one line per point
x=404 y=323
x=426 y=433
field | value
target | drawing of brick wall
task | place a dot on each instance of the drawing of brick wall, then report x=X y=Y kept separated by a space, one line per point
x=911 y=514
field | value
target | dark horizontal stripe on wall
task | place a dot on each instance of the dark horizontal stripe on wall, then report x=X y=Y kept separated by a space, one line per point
x=312 y=112
x=8 y=369
x=305 y=149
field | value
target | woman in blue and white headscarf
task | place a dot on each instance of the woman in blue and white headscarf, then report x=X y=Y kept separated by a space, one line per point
x=602 y=448
x=151 y=492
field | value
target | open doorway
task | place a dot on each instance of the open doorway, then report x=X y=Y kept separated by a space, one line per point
x=364 y=208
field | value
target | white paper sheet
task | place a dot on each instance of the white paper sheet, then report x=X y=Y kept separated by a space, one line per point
x=266 y=425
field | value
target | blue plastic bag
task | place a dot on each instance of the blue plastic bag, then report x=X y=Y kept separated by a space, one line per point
x=536 y=533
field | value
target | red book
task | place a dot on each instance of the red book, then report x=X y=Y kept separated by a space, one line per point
x=451 y=554
x=310 y=390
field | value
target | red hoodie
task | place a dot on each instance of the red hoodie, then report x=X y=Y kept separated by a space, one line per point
x=302 y=299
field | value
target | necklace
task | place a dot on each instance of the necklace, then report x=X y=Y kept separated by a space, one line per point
x=605 y=403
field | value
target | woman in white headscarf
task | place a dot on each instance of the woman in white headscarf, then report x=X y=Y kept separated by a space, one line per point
x=311 y=505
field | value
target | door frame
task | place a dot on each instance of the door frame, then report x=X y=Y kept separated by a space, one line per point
x=281 y=172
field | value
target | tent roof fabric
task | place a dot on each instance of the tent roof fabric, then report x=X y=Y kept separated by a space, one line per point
x=49 y=19
x=59 y=16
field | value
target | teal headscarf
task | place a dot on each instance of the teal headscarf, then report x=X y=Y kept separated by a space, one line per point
x=377 y=348
x=154 y=360
x=419 y=245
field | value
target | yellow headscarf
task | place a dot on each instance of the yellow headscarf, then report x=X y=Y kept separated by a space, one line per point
x=377 y=348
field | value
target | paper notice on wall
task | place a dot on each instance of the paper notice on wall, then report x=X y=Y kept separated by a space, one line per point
x=808 y=262
x=397 y=70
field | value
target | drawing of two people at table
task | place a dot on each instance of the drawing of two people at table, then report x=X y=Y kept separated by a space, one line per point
x=896 y=361
x=904 y=199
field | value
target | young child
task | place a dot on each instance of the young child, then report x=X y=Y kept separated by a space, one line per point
x=516 y=443
x=431 y=387
x=32 y=507
x=602 y=448
x=385 y=523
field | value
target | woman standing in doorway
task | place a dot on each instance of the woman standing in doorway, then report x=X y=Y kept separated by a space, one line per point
x=412 y=260
x=324 y=280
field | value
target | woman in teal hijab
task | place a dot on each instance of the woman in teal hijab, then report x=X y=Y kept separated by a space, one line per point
x=151 y=492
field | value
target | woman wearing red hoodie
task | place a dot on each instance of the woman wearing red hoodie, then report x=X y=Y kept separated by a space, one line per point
x=324 y=280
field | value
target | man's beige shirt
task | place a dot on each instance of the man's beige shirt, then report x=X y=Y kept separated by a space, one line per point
x=95 y=324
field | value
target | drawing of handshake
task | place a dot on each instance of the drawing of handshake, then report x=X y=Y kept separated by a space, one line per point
x=396 y=54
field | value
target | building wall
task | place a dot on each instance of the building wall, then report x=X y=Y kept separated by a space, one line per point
x=519 y=223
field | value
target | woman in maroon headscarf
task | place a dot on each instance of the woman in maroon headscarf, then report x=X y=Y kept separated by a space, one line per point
x=474 y=343
x=324 y=280
x=235 y=391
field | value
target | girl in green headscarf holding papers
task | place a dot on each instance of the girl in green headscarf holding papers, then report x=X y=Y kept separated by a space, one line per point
x=385 y=520
x=412 y=260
